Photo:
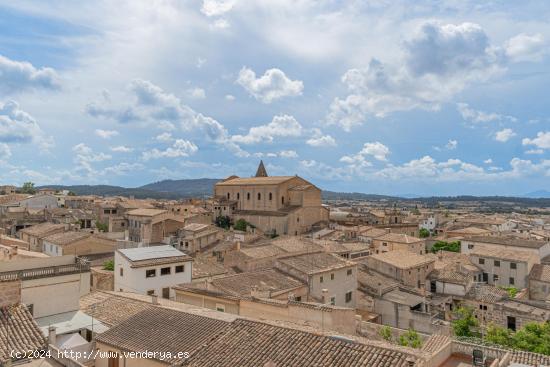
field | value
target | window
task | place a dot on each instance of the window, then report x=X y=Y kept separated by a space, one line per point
x=238 y=196
x=512 y=281
x=259 y=196
x=349 y=272
x=165 y=271
x=180 y=268
x=150 y=292
x=321 y=279
x=270 y=196
x=332 y=276
x=470 y=246
x=333 y=301
x=282 y=200
x=348 y=296
x=247 y=196
x=298 y=299
x=113 y=362
x=228 y=196
x=121 y=272
x=513 y=266
x=495 y=277
x=481 y=261
x=497 y=263
x=220 y=307
x=150 y=273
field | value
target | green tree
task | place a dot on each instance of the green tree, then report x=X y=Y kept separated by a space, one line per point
x=28 y=188
x=104 y=227
x=533 y=337
x=464 y=322
x=240 y=225
x=499 y=335
x=410 y=339
x=446 y=246
x=424 y=233
x=109 y=265
x=223 y=221
x=385 y=333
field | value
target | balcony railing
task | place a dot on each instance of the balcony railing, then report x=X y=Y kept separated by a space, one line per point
x=45 y=272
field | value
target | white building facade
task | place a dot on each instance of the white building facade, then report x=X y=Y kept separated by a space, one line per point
x=151 y=270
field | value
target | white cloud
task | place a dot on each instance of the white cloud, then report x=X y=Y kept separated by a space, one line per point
x=122 y=149
x=16 y=76
x=5 y=152
x=196 y=93
x=156 y=108
x=376 y=149
x=488 y=161
x=122 y=168
x=438 y=62
x=472 y=115
x=229 y=97
x=85 y=156
x=504 y=135
x=180 y=148
x=525 y=47
x=280 y=126
x=534 y=151
x=165 y=137
x=106 y=134
x=451 y=144
x=274 y=84
x=213 y=8
x=17 y=126
x=322 y=141
x=542 y=141
x=358 y=161
x=288 y=154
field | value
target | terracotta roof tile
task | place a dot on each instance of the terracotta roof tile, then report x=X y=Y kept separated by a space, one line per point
x=18 y=331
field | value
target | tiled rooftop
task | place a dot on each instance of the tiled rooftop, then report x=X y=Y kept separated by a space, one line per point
x=163 y=330
x=508 y=241
x=403 y=259
x=315 y=262
x=399 y=237
x=248 y=343
x=18 y=331
x=42 y=229
x=540 y=272
x=265 y=280
x=66 y=238
x=272 y=180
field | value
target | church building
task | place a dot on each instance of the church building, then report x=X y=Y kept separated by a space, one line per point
x=274 y=204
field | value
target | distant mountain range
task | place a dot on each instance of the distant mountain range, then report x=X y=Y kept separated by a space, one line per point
x=538 y=194
x=204 y=187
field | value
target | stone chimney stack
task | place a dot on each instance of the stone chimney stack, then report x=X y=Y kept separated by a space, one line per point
x=155 y=299
x=52 y=335
x=238 y=246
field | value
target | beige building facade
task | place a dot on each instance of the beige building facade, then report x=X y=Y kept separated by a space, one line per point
x=278 y=204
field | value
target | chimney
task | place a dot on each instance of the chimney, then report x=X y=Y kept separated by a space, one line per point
x=155 y=299
x=410 y=361
x=440 y=255
x=209 y=284
x=324 y=292
x=52 y=335
x=238 y=246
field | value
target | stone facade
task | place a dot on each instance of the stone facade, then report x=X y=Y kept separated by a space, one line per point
x=10 y=292
x=279 y=204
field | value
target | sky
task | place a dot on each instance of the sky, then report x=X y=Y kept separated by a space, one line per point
x=391 y=97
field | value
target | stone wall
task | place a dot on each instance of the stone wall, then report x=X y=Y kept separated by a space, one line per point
x=102 y=280
x=10 y=293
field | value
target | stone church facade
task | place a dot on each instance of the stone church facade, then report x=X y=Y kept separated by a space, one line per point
x=277 y=204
